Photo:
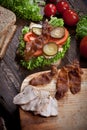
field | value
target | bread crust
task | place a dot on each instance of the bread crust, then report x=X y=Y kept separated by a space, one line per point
x=2 y=40
x=7 y=39
x=7 y=18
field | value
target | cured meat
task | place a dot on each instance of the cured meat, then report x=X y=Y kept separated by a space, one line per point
x=25 y=96
x=44 y=78
x=43 y=88
x=48 y=107
x=38 y=101
x=69 y=77
x=74 y=74
x=62 y=83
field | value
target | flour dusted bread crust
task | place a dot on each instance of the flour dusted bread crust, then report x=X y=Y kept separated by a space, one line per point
x=2 y=38
x=7 y=18
x=7 y=29
x=6 y=40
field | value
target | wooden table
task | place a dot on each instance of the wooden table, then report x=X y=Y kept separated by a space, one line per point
x=12 y=74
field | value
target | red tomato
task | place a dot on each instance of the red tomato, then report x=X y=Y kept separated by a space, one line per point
x=70 y=17
x=29 y=37
x=83 y=47
x=50 y=10
x=62 y=6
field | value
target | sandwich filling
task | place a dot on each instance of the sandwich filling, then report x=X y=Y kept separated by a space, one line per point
x=43 y=44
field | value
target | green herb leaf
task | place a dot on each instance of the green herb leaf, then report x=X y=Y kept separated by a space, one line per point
x=25 y=9
x=81 y=29
x=54 y=21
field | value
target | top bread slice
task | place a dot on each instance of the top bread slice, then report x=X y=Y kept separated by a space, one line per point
x=7 y=18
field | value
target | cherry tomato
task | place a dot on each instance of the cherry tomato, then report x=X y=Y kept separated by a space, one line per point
x=70 y=17
x=50 y=10
x=62 y=6
x=83 y=47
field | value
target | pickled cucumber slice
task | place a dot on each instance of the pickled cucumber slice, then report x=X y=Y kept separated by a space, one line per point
x=37 y=31
x=50 y=49
x=57 y=32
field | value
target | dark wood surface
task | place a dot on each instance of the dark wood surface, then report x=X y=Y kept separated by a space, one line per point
x=12 y=74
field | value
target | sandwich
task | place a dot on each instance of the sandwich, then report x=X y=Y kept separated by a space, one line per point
x=41 y=91
x=43 y=44
x=7 y=29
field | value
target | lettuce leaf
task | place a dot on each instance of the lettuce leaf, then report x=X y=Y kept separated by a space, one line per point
x=25 y=9
x=54 y=21
x=81 y=29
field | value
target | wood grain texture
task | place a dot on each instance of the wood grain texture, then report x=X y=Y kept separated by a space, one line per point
x=72 y=113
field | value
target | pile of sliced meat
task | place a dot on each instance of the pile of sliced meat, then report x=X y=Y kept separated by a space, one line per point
x=69 y=77
x=40 y=101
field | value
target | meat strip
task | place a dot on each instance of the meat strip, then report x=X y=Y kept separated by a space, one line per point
x=62 y=83
x=69 y=77
x=44 y=78
x=74 y=74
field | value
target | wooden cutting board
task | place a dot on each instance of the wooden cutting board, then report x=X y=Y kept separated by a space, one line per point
x=72 y=113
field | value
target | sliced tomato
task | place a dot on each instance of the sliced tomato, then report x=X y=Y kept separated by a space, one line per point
x=38 y=52
x=62 y=40
x=29 y=37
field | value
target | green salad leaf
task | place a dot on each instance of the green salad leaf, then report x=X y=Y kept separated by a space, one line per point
x=25 y=30
x=54 y=21
x=41 y=61
x=81 y=29
x=26 y=9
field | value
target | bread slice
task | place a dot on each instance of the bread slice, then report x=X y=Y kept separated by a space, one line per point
x=8 y=38
x=7 y=18
x=50 y=87
x=2 y=38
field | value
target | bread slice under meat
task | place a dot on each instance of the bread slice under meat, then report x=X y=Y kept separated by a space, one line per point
x=51 y=87
x=7 y=18
x=7 y=39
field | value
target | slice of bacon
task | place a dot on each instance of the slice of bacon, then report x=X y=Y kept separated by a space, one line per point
x=44 y=78
x=74 y=74
x=69 y=77
x=62 y=83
